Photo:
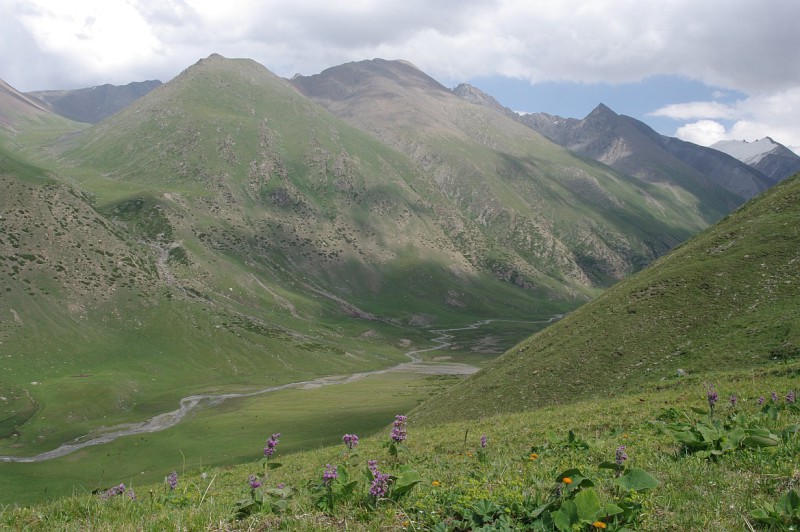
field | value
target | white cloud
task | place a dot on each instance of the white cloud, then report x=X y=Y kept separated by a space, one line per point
x=776 y=115
x=702 y=132
x=735 y=45
x=688 y=111
x=738 y=44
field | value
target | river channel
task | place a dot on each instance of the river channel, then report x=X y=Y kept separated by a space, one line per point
x=193 y=402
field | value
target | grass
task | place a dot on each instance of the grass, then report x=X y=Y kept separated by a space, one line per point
x=224 y=434
x=76 y=404
x=456 y=480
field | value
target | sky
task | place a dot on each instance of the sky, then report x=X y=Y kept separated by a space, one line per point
x=701 y=70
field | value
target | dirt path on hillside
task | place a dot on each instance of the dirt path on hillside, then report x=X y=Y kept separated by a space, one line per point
x=193 y=402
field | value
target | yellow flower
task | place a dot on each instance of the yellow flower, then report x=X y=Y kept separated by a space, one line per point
x=435 y=483
x=566 y=480
x=599 y=524
x=469 y=454
x=533 y=456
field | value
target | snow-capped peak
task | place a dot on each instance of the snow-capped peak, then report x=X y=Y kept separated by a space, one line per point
x=747 y=152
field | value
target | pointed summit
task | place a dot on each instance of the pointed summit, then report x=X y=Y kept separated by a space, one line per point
x=602 y=113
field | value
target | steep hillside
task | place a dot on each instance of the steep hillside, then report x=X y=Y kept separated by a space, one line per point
x=19 y=112
x=93 y=104
x=634 y=148
x=551 y=212
x=729 y=298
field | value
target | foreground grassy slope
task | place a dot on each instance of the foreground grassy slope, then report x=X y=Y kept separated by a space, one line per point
x=729 y=298
x=460 y=483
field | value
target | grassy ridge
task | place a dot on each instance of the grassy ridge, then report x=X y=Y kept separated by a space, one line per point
x=728 y=298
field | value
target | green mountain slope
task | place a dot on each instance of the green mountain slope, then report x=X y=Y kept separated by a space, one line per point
x=727 y=299
x=553 y=213
x=223 y=233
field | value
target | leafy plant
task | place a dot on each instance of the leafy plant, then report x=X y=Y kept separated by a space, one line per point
x=556 y=442
x=785 y=515
x=335 y=488
x=712 y=438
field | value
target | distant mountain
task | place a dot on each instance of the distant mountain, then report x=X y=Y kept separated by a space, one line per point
x=550 y=213
x=765 y=155
x=727 y=299
x=633 y=147
x=93 y=104
x=475 y=95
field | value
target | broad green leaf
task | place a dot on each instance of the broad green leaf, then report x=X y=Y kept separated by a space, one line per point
x=587 y=504
x=636 y=479
x=565 y=516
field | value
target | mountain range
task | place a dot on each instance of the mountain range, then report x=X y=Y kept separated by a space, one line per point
x=230 y=228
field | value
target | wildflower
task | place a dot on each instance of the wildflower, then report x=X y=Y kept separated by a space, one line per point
x=132 y=494
x=172 y=480
x=380 y=484
x=399 y=428
x=711 y=396
x=483 y=441
x=254 y=482
x=350 y=440
x=774 y=396
x=113 y=491
x=280 y=485
x=330 y=474
x=435 y=483
x=599 y=524
x=791 y=397
x=566 y=480
x=373 y=466
x=272 y=443
x=733 y=400
x=620 y=455
x=761 y=400
x=469 y=453
x=533 y=456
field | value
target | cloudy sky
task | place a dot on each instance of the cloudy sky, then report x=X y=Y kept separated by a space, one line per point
x=702 y=70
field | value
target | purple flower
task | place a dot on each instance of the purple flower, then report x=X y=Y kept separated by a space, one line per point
x=254 y=482
x=113 y=491
x=272 y=443
x=483 y=441
x=373 y=466
x=620 y=455
x=380 y=484
x=172 y=480
x=330 y=474
x=350 y=440
x=791 y=397
x=132 y=494
x=399 y=428
x=761 y=400
x=711 y=396
x=733 y=400
x=280 y=486
x=774 y=396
